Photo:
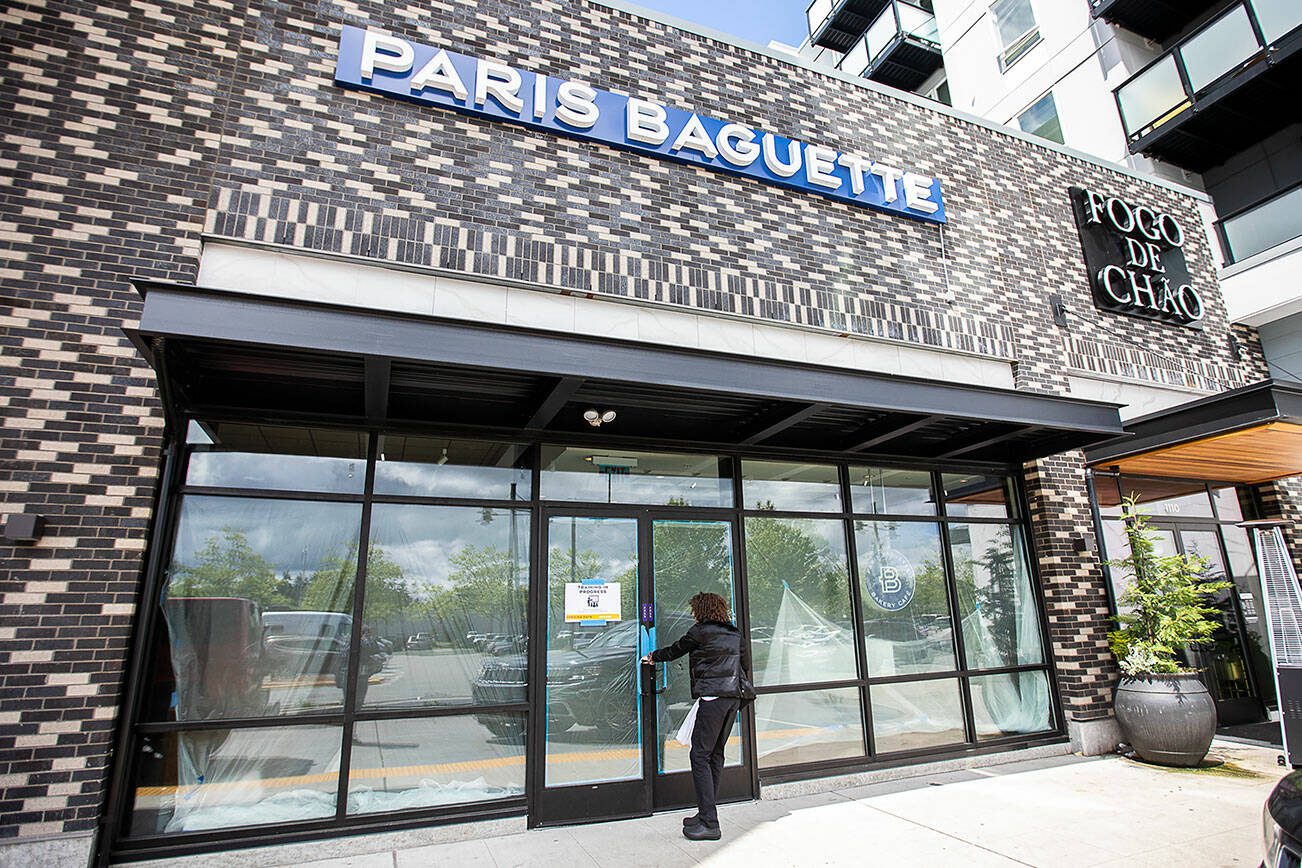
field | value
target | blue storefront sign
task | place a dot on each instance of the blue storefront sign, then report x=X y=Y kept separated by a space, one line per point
x=380 y=62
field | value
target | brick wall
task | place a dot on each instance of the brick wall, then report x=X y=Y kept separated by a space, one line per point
x=134 y=127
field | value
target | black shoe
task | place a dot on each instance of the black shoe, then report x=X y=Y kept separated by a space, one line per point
x=702 y=832
x=693 y=820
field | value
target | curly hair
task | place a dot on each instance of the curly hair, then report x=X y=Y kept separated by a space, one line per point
x=710 y=607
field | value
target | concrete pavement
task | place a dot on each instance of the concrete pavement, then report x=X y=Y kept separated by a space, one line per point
x=1060 y=812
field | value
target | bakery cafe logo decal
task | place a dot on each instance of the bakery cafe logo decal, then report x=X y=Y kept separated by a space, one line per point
x=1135 y=257
x=390 y=65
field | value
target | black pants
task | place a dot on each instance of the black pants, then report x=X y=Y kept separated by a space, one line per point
x=709 y=736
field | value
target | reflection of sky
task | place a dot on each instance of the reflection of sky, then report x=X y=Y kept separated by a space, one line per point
x=293 y=536
x=871 y=492
x=614 y=540
x=791 y=495
x=422 y=540
x=283 y=472
x=596 y=487
x=450 y=480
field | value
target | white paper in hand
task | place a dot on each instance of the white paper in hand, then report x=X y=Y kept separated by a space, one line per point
x=684 y=736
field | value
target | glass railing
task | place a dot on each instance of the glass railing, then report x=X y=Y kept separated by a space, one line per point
x=899 y=18
x=1226 y=45
x=818 y=12
x=1262 y=226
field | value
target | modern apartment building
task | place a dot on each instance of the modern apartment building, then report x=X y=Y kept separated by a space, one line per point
x=1199 y=91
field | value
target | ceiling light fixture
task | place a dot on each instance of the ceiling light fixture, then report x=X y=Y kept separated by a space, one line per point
x=443 y=459
x=596 y=418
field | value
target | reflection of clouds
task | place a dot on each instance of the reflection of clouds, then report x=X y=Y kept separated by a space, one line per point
x=451 y=480
x=287 y=472
x=422 y=540
x=293 y=536
x=792 y=495
x=598 y=487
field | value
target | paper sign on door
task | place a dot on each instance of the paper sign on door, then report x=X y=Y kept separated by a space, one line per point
x=592 y=600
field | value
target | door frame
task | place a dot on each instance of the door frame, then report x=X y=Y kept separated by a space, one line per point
x=1234 y=710
x=572 y=804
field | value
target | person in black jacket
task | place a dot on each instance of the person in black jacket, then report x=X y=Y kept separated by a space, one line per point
x=720 y=667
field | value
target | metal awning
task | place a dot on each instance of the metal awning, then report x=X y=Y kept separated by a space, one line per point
x=225 y=354
x=1248 y=435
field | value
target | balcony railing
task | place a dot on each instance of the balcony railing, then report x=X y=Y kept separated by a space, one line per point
x=1228 y=85
x=901 y=24
x=1260 y=227
x=1229 y=45
x=836 y=24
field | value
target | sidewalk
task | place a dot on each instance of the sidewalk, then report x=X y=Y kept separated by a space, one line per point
x=1059 y=812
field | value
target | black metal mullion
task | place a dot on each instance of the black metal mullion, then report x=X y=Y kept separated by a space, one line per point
x=955 y=612
x=801 y=687
x=162 y=537
x=537 y=616
x=354 y=668
x=856 y=610
x=439 y=711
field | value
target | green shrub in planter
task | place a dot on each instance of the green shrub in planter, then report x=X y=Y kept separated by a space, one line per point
x=1164 y=710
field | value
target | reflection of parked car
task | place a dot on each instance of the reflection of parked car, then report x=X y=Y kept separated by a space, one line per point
x=420 y=642
x=216 y=651
x=307 y=643
x=589 y=686
x=507 y=645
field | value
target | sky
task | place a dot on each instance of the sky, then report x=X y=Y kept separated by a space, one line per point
x=756 y=20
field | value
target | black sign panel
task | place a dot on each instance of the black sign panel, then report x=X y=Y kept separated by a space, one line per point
x=1135 y=257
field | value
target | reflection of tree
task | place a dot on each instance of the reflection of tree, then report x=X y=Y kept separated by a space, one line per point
x=227 y=566
x=483 y=583
x=987 y=589
x=781 y=550
x=691 y=557
x=566 y=565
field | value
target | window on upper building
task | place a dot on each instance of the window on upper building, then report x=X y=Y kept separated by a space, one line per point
x=1018 y=32
x=940 y=93
x=1041 y=119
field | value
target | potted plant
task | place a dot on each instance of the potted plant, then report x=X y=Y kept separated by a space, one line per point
x=1164 y=710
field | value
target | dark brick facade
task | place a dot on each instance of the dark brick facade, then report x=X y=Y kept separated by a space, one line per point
x=134 y=128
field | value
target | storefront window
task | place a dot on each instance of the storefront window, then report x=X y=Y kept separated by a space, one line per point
x=1012 y=703
x=1228 y=506
x=236 y=455
x=800 y=617
x=193 y=781
x=974 y=495
x=255 y=610
x=907 y=625
x=433 y=761
x=916 y=714
x=439 y=467
x=444 y=614
x=1172 y=498
x=1001 y=622
x=623 y=476
x=808 y=727
x=790 y=487
x=887 y=491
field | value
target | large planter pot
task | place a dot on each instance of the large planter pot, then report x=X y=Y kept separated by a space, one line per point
x=1167 y=719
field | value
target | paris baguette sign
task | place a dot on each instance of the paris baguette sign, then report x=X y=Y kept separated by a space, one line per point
x=375 y=61
x=1135 y=257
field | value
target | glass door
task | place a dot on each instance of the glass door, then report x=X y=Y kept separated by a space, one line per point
x=593 y=763
x=1223 y=663
x=687 y=556
x=616 y=587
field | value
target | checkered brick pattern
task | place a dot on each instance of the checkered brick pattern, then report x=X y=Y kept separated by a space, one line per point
x=1075 y=588
x=134 y=126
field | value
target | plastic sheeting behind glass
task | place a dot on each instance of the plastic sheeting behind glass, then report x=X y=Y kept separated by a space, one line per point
x=907 y=624
x=1014 y=703
x=808 y=726
x=916 y=714
x=256 y=609
x=219 y=778
x=1001 y=624
x=433 y=761
x=593 y=723
x=800 y=613
x=444 y=613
